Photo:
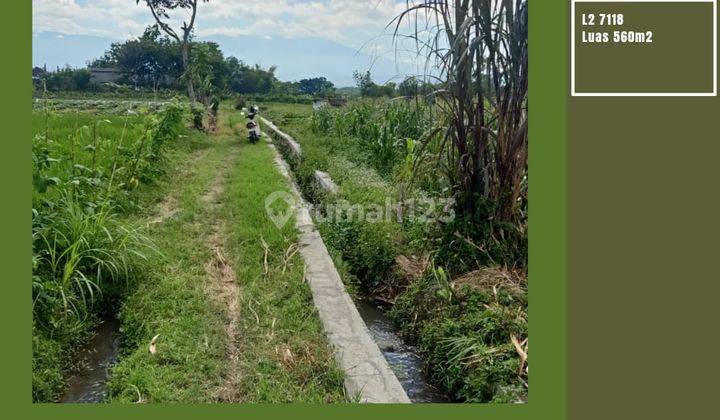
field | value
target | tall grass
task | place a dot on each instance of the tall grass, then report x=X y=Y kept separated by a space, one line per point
x=84 y=254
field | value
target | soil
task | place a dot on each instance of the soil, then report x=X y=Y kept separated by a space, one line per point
x=223 y=285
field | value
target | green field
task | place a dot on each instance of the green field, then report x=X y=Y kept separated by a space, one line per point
x=159 y=273
x=139 y=216
x=174 y=206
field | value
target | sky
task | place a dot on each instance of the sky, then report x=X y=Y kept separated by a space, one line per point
x=300 y=36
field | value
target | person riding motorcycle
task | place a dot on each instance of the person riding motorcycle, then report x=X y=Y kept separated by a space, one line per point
x=252 y=125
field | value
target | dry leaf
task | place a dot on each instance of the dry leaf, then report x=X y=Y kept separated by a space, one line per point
x=521 y=349
x=140 y=399
x=153 y=344
x=266 y=248
x=288 y=357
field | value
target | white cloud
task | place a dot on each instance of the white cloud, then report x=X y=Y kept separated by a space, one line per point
x=349 y=22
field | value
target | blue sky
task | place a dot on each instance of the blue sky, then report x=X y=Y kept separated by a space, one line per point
x=338 y=35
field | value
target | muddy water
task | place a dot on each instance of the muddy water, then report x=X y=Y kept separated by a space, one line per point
x=87 y=385
x=402 y=358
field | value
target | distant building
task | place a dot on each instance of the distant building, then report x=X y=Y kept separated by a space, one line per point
x=105 y=74
x=319 y=104
x=338 y=101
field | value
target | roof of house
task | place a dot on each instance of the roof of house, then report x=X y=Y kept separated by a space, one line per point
x=104 y=70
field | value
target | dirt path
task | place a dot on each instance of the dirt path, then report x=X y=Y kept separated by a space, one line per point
x=225 y=304
x=223 y=281
x=222 y=284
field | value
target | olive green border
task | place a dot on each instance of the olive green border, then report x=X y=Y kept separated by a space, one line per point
x=548 y=87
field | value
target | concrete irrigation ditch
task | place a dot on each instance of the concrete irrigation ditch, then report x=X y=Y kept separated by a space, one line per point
x=359 y=331
x=368 y=376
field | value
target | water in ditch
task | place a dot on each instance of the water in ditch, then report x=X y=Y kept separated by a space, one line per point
x=402 y=358
x=87 y=384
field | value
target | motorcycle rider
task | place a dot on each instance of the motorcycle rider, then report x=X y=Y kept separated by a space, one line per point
x=252 y=125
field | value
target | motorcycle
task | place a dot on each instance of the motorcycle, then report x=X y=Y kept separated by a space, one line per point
x=252 y=126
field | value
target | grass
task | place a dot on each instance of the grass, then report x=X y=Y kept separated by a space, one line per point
x=277 y=315
x=464 y=333
x=284 y=356
x=85 y=254
x=368 y=250
x=174 y=301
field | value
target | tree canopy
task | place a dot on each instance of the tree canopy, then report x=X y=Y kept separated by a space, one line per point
x=315 y=86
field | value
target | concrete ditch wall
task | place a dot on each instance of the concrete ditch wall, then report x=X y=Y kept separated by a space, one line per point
x=325 y=182
x=288 y=142
x=368 y=377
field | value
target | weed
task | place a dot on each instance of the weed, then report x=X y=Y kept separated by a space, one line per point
x=84 y=254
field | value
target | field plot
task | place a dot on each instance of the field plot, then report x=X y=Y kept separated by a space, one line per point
x=369 y=245
x=139 y=217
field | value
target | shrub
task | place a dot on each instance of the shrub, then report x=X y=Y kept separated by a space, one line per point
x=469 y=243
x=198 y=113
x=367 y=249
x=465 y=332
x=380 y=127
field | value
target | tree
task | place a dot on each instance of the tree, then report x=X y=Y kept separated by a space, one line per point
x=388 y=89
x=409 y=87
x=207 y=69
x=370 y=89
x=67 y=79
x=365 y=84
x=315 y=86
x=253 y=79
x=160 y=11
x=148 y=61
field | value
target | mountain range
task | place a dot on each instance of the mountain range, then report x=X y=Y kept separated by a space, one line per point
x=295 y=58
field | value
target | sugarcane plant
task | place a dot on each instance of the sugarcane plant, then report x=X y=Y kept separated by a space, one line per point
x=477 y=52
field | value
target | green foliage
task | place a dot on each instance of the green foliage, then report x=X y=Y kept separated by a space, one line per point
x=392 y=137
x=79 y=253
x=464 y=333
x=409 y=87
x=198 y=113
x=68 y=79
x=377 y=130
x=279 y=96
x=470 y=242
x=151 y=61
x=84 y=254
x=244 y=79
x=50 y=353
x=370 y=89
x=191 y=363
x=465 y=336
x=479 y=49
x=315 y=86
x=368 y=250
x=107 y=92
